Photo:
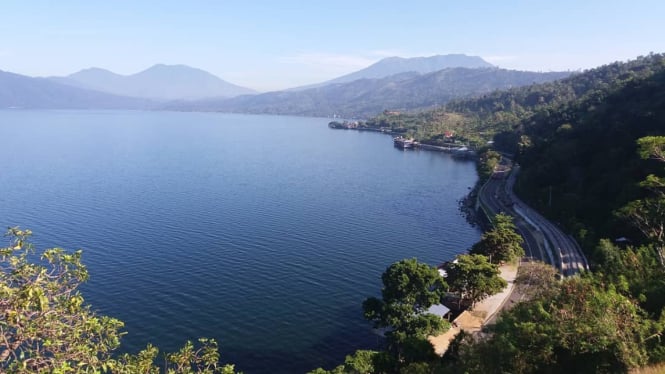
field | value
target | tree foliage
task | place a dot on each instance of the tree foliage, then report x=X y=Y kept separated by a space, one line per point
x=488 y=160
x=502 y=243
x=409 y=289
x=635 y=272
x=411 y=283
x=47 y=327
x=536 y=280
x=652 y=147
x=582 y=327
x=361 y=362
x=474 y=278
x=648 y=214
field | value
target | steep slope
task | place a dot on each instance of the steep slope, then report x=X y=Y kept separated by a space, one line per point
x=18 y=91
x=366 y=97
x=160 y=82
x=584 y=154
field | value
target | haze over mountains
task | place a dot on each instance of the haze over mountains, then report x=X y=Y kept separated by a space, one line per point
x=367 y=97
x=159 y=82
x=396 y=65
x=19 y=91
x=392 y=83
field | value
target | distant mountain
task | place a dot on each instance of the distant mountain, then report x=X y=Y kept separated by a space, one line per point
x=160 y=82
x=93 y=78
x=367 y=97
x=395 y=65
x=19 y=91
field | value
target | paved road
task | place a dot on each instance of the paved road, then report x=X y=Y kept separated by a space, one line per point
x=543 y=240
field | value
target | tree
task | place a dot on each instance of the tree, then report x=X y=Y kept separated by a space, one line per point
x=652 y=147
x=502 y=243
x=409 y=289
x=536 y=280
x=361 y=362
x=648 y=214
x=46 y=327
x=635 y=272
x=582 y=327
x=487 y=162
x=474 y=278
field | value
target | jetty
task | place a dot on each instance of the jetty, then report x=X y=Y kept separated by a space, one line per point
x=457 y=150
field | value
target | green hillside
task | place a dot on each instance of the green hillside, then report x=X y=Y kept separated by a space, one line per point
x=595 y=143
x=575 y=136
x=586 y=152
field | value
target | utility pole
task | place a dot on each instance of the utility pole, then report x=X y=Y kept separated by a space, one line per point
x=550 y=202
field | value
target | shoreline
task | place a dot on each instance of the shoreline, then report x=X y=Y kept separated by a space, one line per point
x=458 y=149
x=467 y=204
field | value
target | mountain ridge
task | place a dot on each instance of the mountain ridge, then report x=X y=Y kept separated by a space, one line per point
x=394 y=65
x=20 y=91
x=367 y=97
x=180 y=87
x=158 y=82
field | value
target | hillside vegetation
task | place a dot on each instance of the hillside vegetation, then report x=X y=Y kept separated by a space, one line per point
x=366 y=97
x=574 y=137
x=595 y=143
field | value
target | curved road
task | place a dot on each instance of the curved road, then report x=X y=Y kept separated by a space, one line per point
x=543 y=240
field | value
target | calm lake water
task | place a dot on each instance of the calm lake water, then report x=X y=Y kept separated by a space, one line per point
x=265 y=233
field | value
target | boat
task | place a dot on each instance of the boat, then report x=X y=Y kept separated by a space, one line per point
x=463 y=153
x=403 y=143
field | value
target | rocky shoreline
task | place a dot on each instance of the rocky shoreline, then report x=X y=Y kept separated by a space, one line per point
x=467 y=207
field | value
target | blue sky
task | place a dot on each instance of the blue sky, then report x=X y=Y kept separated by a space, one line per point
x=270 y=45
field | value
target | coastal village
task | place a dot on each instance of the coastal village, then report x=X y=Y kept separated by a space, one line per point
x=404 y=141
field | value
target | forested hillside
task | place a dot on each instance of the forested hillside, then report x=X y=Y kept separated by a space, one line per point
x=585 y=153
x=503 y=115
x=574 y=137
x=592 y=149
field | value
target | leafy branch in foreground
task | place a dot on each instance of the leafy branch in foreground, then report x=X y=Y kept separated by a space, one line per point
x=45 y=326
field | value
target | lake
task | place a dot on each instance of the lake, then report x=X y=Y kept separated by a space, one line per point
x=265 y=233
